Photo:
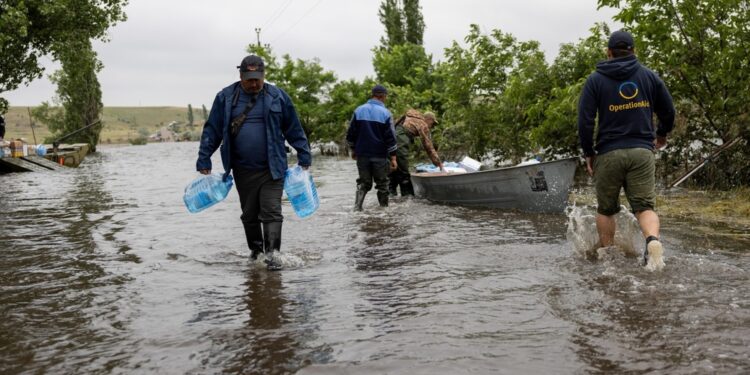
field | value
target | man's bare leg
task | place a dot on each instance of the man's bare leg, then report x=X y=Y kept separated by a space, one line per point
x=605 y=226
x=649 y=222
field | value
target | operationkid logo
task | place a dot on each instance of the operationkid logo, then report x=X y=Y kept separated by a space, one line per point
x=628 y=90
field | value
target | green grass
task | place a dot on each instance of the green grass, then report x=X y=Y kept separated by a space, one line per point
x=731 y=208
x=120 y=123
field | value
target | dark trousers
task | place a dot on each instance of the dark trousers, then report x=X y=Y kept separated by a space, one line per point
x=372 y=169
x=260 y=195
x=401 y=176
x=260 y=198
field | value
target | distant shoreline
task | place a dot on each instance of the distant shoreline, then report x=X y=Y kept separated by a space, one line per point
x=121 y=124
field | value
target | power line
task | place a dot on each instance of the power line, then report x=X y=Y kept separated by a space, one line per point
x=298 y=21
x=275 y=15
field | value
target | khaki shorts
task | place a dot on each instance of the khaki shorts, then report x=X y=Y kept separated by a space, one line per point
x=631 y=168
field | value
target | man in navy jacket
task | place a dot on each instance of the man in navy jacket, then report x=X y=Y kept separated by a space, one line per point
x=251 y=120
x=372 y=140
x=625 y=95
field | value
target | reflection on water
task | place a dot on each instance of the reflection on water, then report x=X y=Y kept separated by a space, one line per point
x=103 y=271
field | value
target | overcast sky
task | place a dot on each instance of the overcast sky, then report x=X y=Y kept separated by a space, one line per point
x=180 y=52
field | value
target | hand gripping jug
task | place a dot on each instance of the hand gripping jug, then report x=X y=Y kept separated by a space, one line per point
x=301 y=192
x=205 y=191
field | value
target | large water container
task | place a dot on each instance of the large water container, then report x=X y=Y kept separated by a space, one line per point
x=205 y=191
x=300 y=190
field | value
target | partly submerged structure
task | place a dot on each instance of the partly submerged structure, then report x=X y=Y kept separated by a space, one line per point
x=64 y=156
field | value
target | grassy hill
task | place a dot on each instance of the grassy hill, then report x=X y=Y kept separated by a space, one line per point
x=120 y=123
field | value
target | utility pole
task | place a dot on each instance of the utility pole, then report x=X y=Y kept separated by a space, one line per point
x=257 y=33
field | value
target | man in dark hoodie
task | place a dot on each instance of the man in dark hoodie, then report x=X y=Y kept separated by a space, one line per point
x=625 y=95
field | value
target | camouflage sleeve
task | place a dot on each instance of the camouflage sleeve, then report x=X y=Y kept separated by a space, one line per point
x=424 y=133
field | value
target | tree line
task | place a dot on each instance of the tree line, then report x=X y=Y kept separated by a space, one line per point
x=497 y=97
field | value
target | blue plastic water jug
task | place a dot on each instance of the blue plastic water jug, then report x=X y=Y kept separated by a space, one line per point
x=300 y=190
x=205 y=191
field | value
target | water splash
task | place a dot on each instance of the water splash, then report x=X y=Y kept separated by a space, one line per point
x=584 y=239
x=287 y=260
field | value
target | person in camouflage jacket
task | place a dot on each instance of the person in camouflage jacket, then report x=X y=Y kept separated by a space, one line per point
x=412 y=124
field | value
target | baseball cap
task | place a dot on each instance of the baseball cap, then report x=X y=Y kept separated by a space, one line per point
x=620 y=39
x=251 y=67
x=379 y=90
x=431 y=115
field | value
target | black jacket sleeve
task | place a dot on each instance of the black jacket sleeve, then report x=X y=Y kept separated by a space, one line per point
x=587 y=108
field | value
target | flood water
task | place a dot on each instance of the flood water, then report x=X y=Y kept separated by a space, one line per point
x=103 y=270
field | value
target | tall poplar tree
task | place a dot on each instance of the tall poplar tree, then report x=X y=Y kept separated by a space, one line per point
x=414 y=22
x=392 y=18
x=403 y=23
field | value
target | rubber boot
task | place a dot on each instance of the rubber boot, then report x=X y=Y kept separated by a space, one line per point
x=407 y=188
x=383 y=198
x=393 y=184
x=359 y=200
x=254 y=236
x=272 y=237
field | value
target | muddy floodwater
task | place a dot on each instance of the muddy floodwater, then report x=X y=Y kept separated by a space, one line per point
x=103 y=270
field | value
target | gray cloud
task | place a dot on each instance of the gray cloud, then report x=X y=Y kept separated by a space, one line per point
x=172 y=52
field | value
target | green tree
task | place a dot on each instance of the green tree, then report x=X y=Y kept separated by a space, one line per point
x=306 y=82
x=31 y=29
x=528 y=83
x=556 y=131
x=78 y=96
x=391 y=17
x=344 y=98
x=473 y=81
x=401 y=61
x=404 y=64
x=414 y=22
x=190 y=115
x=403 y=23
x=700 y=49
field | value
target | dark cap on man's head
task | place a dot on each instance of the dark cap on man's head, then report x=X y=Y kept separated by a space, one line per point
x=251 y=67
x=620 y=39
x=379 y=90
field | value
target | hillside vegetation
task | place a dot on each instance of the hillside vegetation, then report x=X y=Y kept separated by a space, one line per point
x=121 y=124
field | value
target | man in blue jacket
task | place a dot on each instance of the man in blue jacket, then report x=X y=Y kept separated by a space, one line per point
x=251 y=120
x=626 y=95
x=372 y=139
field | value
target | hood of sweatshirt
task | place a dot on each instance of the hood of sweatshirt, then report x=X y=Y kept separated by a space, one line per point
x=619 y=69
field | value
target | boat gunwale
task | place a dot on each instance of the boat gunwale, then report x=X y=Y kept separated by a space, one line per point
x=435 y=175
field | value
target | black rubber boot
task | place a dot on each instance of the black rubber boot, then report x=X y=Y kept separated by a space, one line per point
x=359 y=200
x=407 y=188
x=254 y=236
x=393 y=184
x=383 y=198
x=272 y=237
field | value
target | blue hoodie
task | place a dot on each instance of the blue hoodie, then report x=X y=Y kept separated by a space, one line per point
x=625 y=94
